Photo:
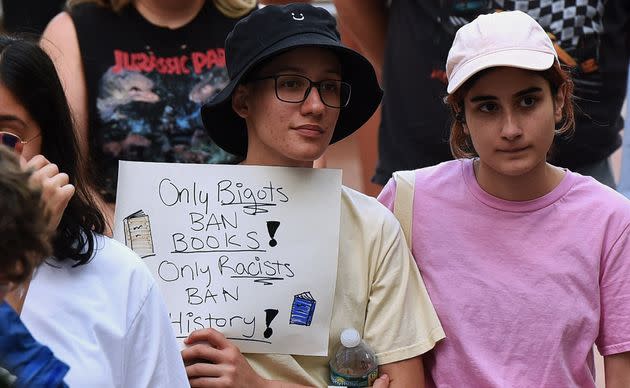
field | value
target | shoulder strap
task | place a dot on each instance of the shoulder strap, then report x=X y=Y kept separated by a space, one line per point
x=403 y=203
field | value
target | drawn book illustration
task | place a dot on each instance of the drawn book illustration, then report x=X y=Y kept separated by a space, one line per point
x=138 y=234
x=302 y=309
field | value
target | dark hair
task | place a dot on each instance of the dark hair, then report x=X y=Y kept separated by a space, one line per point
x=29 y=74
x=23 y=225
x=460 y=142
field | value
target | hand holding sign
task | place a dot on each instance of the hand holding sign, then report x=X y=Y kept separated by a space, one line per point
x=209 y=353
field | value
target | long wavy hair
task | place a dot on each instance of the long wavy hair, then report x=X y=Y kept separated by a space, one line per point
x=461 y=143
x=29 y=74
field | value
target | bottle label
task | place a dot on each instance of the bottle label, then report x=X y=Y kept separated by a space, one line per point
x=343 y=380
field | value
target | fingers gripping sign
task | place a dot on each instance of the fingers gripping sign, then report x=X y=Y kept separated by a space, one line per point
x=213 y=361
x=56 y=189
x=381 y=382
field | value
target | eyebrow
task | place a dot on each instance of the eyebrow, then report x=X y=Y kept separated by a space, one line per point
x=533 y=89
x=12 y=118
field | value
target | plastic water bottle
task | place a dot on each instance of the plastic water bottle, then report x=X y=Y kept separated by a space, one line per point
x=354 y=363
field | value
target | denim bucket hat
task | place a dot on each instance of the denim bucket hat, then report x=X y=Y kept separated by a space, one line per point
x=268 y=32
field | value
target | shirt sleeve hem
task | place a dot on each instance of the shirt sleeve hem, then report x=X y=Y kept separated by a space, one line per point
x=435 y=335
x=614 y=349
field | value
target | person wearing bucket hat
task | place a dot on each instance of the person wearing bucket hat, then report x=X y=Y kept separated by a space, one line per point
x=538 y=289
x=295 y=89
x=243 y=53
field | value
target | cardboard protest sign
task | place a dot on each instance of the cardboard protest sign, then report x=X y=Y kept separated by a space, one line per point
x=249 y=251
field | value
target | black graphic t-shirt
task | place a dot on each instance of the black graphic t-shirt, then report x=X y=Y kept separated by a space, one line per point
x=146 y=84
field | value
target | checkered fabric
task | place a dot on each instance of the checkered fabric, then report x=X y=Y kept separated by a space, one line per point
x=567 y=20
x=464 y=11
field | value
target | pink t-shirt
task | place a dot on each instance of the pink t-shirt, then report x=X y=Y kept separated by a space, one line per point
x=523 y=289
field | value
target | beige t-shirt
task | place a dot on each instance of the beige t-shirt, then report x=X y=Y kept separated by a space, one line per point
x=379 y=292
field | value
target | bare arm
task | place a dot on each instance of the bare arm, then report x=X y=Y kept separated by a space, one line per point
x=60 y=42
x=617 y=370
x=62 y=45
x=366 y=20
x=405 y=373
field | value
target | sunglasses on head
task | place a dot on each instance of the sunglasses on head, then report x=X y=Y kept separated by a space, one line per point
x=13 y=141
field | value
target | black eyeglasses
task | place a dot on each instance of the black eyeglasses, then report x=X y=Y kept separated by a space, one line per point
x=295 y=88
x=13 y=141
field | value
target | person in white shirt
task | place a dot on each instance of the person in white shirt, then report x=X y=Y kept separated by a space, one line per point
x=94 y=303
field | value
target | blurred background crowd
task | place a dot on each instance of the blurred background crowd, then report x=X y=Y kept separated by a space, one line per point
x=406 y=42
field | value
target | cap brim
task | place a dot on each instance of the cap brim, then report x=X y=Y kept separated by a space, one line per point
x=228 y=130
x=522 y=59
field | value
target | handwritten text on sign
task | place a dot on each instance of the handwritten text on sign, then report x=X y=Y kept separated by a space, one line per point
x=249 y=251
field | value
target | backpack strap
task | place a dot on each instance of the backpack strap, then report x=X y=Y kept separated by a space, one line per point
x=403 y=203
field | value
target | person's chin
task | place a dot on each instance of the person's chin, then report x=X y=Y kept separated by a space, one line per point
x=308 y=153
x=517 y=167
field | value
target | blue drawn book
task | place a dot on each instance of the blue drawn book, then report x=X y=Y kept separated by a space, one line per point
x=302 y=309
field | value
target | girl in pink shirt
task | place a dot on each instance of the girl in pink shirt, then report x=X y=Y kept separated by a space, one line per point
x=527 y=264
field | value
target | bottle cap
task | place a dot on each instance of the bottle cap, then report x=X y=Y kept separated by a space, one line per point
x=350 y=338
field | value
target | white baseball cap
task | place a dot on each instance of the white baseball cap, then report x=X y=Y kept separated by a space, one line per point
x=510 y=38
